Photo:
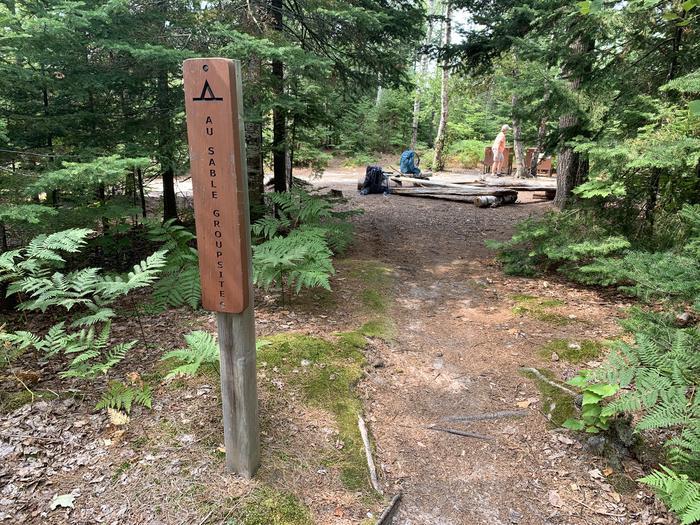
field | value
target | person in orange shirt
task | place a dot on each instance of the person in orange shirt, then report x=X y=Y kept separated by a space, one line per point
x=498 y=148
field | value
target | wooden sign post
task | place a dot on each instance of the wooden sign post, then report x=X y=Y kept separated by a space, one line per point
x=214 y=105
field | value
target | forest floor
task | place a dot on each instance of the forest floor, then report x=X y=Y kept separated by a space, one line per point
x=423 y=316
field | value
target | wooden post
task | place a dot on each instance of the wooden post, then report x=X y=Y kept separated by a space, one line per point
x=214 y=104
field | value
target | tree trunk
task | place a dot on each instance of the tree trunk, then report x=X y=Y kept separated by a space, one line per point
x=572 y=167
x=539 y=148
x=288 y=168
x=279 y=125
x=142 y=196
x=166 y=147
x=421 y=71
x=521 y=170
x=416 y=114
x=254 y=119
x=101 y=195
x=3 y=237
x=254 y=140
x=169 y=200
x=438 y=159
x=254 y=156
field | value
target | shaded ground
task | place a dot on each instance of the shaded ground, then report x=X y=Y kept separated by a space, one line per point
x=444 y=333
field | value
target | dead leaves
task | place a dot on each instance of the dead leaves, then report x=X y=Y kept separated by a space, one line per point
x=117 y=417
x=527 y=402
x=555 y=499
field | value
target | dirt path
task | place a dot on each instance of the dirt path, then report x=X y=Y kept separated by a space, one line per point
x=458 y=351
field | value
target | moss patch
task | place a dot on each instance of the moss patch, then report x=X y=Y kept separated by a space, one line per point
x=374 y=301
x=573 y=351
x=266 y=506
x=557 y=406
x=623 y=484
x=326 y=374
x=374 y=282
x=11 y=401
x=540 y=309
x=379 y=328
x=373 y=274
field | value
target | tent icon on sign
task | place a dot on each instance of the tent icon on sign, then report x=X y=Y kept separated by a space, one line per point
x=207 y=93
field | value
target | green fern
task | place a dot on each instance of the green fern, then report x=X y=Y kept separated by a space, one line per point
x=201 y=350
x=33 y=274
x=678 y=491
x=302 y=259
x=179 y=284
x=121 y=397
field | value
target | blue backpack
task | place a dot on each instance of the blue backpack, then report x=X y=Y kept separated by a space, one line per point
x=407 y=164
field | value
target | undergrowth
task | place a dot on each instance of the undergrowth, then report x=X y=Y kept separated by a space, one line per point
x=653 y=380
x=297 y=240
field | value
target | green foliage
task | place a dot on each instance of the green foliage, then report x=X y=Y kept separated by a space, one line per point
x=672 y=274
x=466 y=153
x=657 y=378
x=678 y=491
x=201 y=350
x=32 y=274
x=599 y=257
x=548 y=243
x=594 y=417
x=298 y=243
x=179 y=284
x=119 y=396
x=26 y=213
x=302 y=259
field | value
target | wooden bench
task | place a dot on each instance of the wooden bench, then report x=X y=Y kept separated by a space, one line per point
x=488 y=160
x=544 y=166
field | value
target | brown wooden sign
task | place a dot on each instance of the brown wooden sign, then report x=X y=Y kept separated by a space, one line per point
x=219 y=183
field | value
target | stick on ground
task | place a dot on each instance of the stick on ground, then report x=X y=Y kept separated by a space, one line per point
x=368 y=453
x=489 y=415
x=387 y=516
x=541 y=377
x=462 y=433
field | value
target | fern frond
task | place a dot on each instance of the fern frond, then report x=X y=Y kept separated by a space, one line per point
x=679 y=492
x=201 y=350
x=121 y=397
x=144 y=274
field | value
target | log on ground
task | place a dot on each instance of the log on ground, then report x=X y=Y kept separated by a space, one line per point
x=466 y=191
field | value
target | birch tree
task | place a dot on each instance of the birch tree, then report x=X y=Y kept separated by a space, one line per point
x=439 y=158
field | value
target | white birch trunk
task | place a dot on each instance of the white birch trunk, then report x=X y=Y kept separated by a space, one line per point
x=439 y=158
x=421 y=72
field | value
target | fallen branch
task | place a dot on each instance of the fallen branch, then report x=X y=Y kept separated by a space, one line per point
x=462 y=433
x=540 y=376
x=368 y=453
x=387 y=516
x=466 y=191
x=489 y=415
x=426 y=182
